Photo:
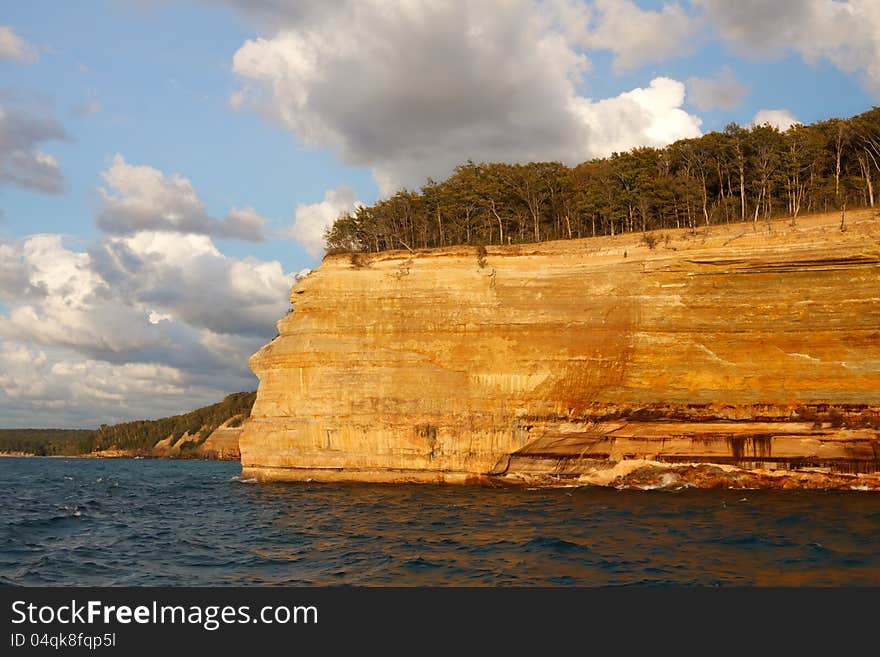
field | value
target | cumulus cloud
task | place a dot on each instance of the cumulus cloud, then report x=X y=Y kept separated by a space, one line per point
x=153 y=309
x=847 y=34
x=148 y=320
x=780 y=119
x=413 y=89
x=313 y=219
x=13 y=47
x=721 y=91
x=48 y=387
x=23 y=128
x=140 y=197
x=650 y=116
x=637 y=36
x=187 y=278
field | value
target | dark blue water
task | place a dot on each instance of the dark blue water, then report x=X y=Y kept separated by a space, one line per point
x=156 y=522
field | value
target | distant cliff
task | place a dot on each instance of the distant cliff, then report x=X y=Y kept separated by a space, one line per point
x=210 y=432
x=745 y=355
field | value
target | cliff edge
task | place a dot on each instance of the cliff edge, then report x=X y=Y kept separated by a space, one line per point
x=741 y=355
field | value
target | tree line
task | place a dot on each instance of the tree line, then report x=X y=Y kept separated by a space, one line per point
x=139 y=435
x=739 y=174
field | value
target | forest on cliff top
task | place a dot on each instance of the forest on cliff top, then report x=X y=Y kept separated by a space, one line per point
x=740 y=174
x=137 y=435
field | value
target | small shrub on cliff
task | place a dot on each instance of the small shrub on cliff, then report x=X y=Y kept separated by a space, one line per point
x=836 y=418
x=650 y=240
x=481 y=256
x=429 y=433
x=358 y=260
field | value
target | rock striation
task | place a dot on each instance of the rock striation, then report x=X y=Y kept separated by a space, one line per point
x=738 y=355
x=221 y=444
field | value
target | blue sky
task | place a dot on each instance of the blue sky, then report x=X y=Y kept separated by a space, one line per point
x=161 y=75
x=226 y=134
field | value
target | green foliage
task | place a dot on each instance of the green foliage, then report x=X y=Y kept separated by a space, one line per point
x=46 y=442
x=428 y=432
x=481 y=256
x=138 y=435
x=740 y=174
x=236 y=422
x=358 y=260
x=143 y=434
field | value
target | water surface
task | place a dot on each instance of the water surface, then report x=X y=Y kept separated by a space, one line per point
x=158 y=522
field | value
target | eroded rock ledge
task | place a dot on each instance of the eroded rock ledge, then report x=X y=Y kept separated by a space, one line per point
x=746 y=356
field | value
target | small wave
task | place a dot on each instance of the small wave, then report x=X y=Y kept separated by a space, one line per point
x=666 y=481
x=553 y=544
x=243 y=480
x=75 y=511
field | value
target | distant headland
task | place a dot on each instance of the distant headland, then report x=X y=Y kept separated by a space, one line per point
x=210 y=432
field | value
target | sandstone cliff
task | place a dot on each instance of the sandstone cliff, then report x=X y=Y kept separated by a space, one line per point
x=746 y=354
x=221 y=444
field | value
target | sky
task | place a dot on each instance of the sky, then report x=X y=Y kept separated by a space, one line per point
x=167 y=168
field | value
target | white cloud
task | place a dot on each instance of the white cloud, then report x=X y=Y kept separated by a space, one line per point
x=155 y=318
x=142 y=198
x=847 y=34
x=721 y=91
x=650 y=116
x=50 y=387
x=413 y=89
x=186 y=277
x=23 y=127
x=12 y=46
x=242 y=224
x=110 y=329
x=780 y=119
x=637 y=36
x=312 y=219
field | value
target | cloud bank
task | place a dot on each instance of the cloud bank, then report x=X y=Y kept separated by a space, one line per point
x=150 y=319
x=409 y=90
x=847 y=34
x=163 y=311
x=139 y=197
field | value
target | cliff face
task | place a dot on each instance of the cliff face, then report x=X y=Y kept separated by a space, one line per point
x=221 y=444
x=745 y=355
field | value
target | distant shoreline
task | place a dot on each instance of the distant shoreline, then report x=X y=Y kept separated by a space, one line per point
x=110 y=456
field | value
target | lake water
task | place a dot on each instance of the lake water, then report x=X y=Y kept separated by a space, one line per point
x=159 y=522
